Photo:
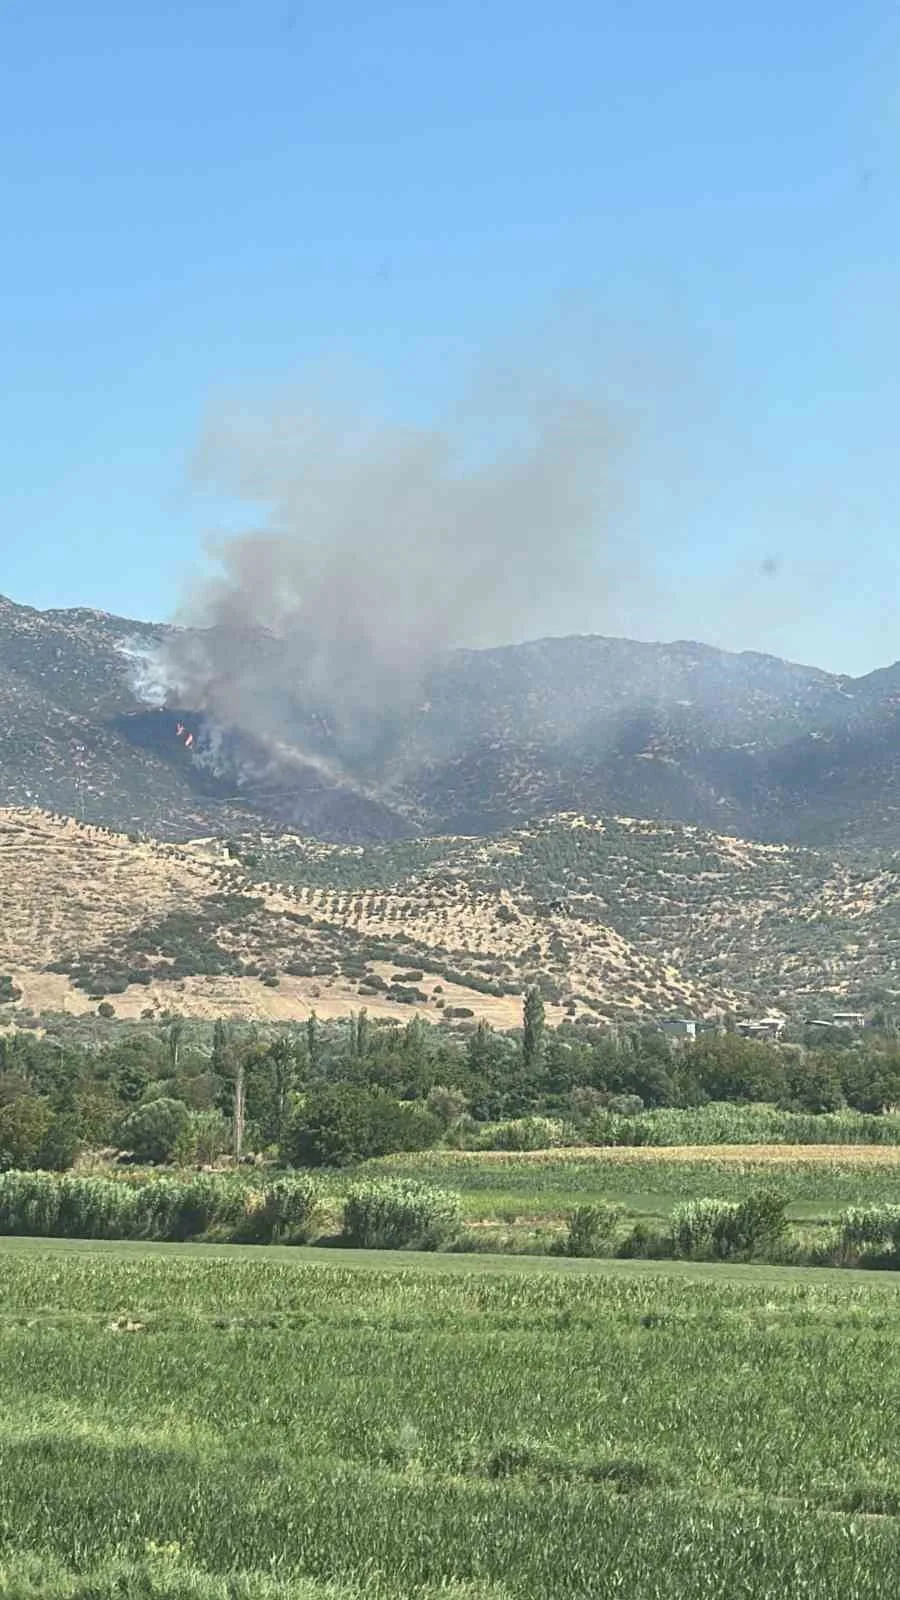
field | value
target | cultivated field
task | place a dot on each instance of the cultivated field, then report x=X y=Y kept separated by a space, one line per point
x=541 y=1186
x=202 y=1423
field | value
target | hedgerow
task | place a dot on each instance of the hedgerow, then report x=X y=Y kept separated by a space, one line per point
x=283 y=1210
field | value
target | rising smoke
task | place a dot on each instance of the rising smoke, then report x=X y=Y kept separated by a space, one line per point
x=378 y=549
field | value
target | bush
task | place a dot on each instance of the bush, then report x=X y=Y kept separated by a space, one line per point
x=342 y=1124
x=870 y=1233
x=728 y=1229
x=447 y=1105
x=167 y=1208
x=24 y=1124
x=591 y=1230
x=395 y=1214
x=405 y=996
x=206 y=1136
x=152 y=1132
x=723 y=1123
x=288 y=1211
x=526 y=1133
x=28 y=1203
x=41 y=1204
x=625 y=1105
x=177 y=1209
x=645 y=1243
x=60 y=1145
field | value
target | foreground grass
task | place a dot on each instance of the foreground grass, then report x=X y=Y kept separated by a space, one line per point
x=390 y=1261
x=235 y=1422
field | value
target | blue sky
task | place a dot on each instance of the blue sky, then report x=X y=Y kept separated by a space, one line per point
x=207 y=205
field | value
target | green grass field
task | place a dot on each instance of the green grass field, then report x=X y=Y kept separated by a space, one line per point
x=214 y=1421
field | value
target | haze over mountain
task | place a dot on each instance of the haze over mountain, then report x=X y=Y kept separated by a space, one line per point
x=745 y=743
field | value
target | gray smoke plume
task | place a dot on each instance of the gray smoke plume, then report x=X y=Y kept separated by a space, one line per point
x=379 y=548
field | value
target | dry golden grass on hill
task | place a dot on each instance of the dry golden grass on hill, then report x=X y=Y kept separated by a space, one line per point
x=68 y=889
x=249 y=1000
x=71 y=893
x=615 y=918
x=64 y=884
x=663 y=916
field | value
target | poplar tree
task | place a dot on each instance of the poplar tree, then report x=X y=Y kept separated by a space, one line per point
x=533 y=1023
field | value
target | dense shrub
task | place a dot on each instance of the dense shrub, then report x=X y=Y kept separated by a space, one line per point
x=178 y=1209
x=724 y=1123
x=728 y=1229
x=166 y=1208
x=153 y=1132
x=374 y=982
x=526 y=1133
x=68 y=1207
x=644 y=1242
x=591 y=1231
x=28 y=1203
x=206 y=1136
x=871 y=1233
x=396 y=1214
x=288 y=1211
x=448 y=1105
x=341 y=1124
x=60 y=1145
x=24 y=1124
x=405 y=996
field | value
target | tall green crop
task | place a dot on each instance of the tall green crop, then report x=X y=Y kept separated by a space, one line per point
x=396 y=1214
x=166 y=1207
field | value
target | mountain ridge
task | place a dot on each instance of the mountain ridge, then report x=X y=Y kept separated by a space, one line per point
x=743 y=742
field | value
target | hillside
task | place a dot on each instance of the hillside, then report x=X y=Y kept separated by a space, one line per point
x=64 y=688
x=613 y=917
x=728 y=920
x=740 y=744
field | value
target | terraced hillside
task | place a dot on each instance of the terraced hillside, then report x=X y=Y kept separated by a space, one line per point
x=611 y=917
x=575 y=898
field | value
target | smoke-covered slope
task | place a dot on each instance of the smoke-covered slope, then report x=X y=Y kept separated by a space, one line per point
x=63 y=688
x=746 y=743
